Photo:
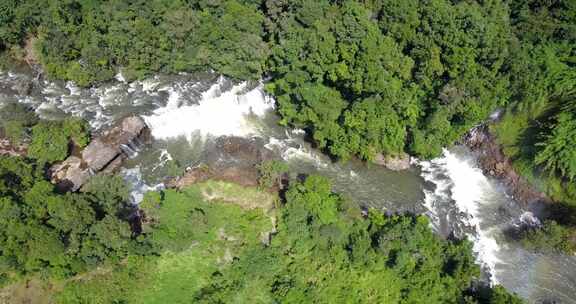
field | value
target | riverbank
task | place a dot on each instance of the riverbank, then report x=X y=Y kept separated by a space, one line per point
x=493 y=162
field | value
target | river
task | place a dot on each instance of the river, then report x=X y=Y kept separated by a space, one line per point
x=186 y=113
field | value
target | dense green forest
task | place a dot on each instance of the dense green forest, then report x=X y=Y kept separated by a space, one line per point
x=323 y=250
x=59 y=235
x=361 y=77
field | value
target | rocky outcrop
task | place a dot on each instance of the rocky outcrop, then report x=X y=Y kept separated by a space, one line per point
x=105 y=153
x=493 y=162
x=7 y=148
x=246 y=176
x=239 y=150
x=395 y=163
x=232 y=159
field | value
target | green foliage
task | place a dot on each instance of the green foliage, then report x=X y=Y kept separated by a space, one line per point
x=323 y=251
x=499 y=295
x=87 y=41
x=51 y=139
x=549 y=238
x=413 y=76
x=537 y=130
x=558 y=154
x=194 y=238
x=270 y=173
x=57 y=234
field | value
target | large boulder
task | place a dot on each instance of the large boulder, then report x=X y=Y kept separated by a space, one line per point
x=98 y=154
x=395 y=163
x=104 y=153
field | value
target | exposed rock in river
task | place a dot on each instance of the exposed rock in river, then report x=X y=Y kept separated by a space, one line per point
x=241 y=156
x=246 y=176
x=105 y=153
x=395 y=163
x=494 y=163
x=7 y=148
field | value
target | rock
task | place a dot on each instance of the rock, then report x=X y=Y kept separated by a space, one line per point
x=98 y=154
x=493 y=161
x=500 y=168
x=395 y=163
x=105 y=153
x=70 y=174
x=246 y=151
x=7 y=148
x=246 y=176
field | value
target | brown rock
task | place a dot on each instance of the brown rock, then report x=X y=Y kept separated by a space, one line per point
x=104 y=153
x=395 y=163
x=7 y=148
x=98 y=154
x=242 y=175
x=500 y=167
x=492 y=160
x=70 y=174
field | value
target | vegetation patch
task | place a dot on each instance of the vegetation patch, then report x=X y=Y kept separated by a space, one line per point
x=245 y=197
x=324 y=251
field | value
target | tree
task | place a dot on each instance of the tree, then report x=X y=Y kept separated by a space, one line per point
x=15 y=120
x=270 y=173
x=51 y=140
x=558 y=148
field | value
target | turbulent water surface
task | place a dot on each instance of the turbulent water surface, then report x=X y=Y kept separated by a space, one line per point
x=186 y=113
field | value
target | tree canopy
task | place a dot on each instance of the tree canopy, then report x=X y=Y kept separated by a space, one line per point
x=58 y=234
x=321 y=249
x=361 y=77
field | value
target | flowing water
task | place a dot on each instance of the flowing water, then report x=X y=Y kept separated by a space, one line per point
x=187 y=113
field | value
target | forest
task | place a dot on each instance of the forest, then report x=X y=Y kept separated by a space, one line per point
x=362 y=78
x=312 y=246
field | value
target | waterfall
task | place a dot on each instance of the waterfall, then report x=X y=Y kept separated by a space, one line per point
x=185 y=110
x=462 y=192
x=219 y=112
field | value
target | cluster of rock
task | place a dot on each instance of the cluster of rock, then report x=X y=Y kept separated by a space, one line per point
x=7 y=148
x=395 y=163
x=493 y=162
x=105 y=153
x=241 y=155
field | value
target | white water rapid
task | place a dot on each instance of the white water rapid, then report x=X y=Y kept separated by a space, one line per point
x=460 y=185
x=219 y=112
x=465 y=202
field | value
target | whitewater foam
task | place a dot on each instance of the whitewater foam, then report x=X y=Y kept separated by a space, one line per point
x=218 y=113
x=459 y=182
x=138 y=187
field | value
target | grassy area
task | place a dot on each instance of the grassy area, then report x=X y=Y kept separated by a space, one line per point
x=201 y=233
